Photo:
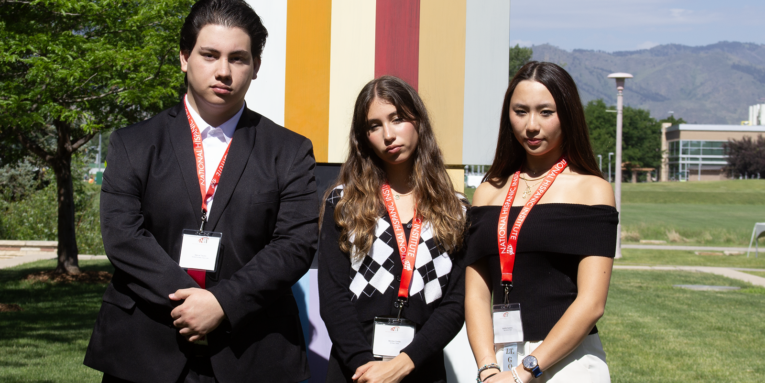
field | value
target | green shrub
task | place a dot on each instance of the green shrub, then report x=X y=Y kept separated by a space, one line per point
x=36 y=217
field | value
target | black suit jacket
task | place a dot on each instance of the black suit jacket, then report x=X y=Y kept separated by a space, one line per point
x=266 y=208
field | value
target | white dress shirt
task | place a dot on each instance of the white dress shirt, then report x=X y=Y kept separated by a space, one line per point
x=215 y=140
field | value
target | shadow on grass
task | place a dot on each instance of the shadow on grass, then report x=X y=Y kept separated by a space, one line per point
x=52 y=312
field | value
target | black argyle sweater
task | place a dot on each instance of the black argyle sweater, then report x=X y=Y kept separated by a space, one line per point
x=353 y=292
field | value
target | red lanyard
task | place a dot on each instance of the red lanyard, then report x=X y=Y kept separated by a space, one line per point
x=199 y=155
x=508 y=247
x=408 y=254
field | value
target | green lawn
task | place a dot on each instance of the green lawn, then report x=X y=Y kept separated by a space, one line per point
x=731 y=192
x=653 y=332
x=634 y=257
x=695 y=224
x=46 y=342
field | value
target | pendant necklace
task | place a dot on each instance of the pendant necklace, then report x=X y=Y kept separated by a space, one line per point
x=528 y=191
x=398 y=196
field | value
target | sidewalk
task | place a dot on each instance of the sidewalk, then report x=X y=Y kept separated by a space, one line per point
x=684 y=248
x=11 y=258
x=730 y=272
x=21 y=257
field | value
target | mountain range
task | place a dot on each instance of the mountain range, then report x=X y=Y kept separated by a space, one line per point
x=712 y=84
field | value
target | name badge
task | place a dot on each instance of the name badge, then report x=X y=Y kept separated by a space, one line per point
x=508 y=327
x=199 y=251
x=391 y=336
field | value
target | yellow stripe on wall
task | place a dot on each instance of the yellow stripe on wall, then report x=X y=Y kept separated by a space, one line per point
x=306 y=109
x=442 y=71
x=352 y=66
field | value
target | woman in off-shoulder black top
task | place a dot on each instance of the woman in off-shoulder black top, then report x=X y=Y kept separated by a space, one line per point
x=565 y=247
x=552 y=241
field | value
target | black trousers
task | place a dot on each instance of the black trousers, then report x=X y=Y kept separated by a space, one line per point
x=197 y=370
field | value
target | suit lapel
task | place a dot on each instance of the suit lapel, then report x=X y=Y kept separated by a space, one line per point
x=238 y=155
x=180 y=137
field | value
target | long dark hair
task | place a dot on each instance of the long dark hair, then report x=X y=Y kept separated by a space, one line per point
x=363 y=173
x=576 y=137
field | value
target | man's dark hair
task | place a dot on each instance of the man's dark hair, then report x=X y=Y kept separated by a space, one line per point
x=228 y=13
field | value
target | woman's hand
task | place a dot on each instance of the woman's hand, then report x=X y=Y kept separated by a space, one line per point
x=507 y=376
x=392 y=371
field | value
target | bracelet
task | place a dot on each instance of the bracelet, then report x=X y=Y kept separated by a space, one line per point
x=487 y=378
x=484 y=368
x=515 y=376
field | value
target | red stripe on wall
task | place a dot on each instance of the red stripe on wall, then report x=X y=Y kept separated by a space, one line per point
x=397 y=39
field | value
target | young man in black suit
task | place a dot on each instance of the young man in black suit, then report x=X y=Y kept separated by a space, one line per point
x=208 y=161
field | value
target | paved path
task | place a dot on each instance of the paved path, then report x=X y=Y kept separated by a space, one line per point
x=684 y=248
x=37 y=256
x=735 y=273
x=724 y=271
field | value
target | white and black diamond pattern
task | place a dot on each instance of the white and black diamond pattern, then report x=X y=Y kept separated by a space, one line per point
x=373 y=273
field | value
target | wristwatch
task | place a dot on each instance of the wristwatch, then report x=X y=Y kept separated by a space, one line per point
x=531 y=365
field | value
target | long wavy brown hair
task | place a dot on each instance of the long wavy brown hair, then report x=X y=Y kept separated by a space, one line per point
x=576 y=137
x=363 y=174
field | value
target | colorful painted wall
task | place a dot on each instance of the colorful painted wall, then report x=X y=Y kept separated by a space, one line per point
x=319 y=55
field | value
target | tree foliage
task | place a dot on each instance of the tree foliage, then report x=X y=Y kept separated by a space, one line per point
x=519 y=56
x=72 y=68
x=672 y=120
x=746 y=157
x=641 y=134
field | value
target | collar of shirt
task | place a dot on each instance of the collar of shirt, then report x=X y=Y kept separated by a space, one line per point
x=207 y=130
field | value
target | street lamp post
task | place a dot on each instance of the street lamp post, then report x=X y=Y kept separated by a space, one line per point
x=610 y=154
x=600 y=163
x=620 y=78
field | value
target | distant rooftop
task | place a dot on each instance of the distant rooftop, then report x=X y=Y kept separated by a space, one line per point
x=717 y=128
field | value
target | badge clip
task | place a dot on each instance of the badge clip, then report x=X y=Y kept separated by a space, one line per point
x=508 y=287
x=204 y=219
x=400 y=303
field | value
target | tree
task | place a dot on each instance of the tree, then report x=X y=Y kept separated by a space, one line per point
x=72 y=68
x=519 y=56
x=746 y=157
x=641 y=135
x=672 y=120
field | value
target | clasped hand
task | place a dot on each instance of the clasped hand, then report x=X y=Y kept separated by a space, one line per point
x=392 y=371
x=507 y=376
x=198 y=315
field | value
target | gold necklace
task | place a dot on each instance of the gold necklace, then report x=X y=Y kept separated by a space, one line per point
x=527 y=192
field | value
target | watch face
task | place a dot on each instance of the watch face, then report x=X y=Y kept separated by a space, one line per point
x=530 y=362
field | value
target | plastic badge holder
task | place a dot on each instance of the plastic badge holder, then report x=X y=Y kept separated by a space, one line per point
x=391 y=335
x=200 y=251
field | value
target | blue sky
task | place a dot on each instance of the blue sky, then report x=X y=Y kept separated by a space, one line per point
x=623 y=25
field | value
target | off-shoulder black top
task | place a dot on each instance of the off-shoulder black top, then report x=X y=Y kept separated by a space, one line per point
x=551 y=243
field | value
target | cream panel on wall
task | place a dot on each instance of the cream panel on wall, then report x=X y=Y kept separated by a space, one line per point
x=266 y=94
x=487 y=54
x=352 y=65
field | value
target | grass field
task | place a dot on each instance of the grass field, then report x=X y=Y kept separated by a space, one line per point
x=652 y=332
x=714 y=213
x=46 y=341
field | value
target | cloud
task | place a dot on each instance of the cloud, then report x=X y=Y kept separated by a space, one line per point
x=523 y=43
x=647 y=45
